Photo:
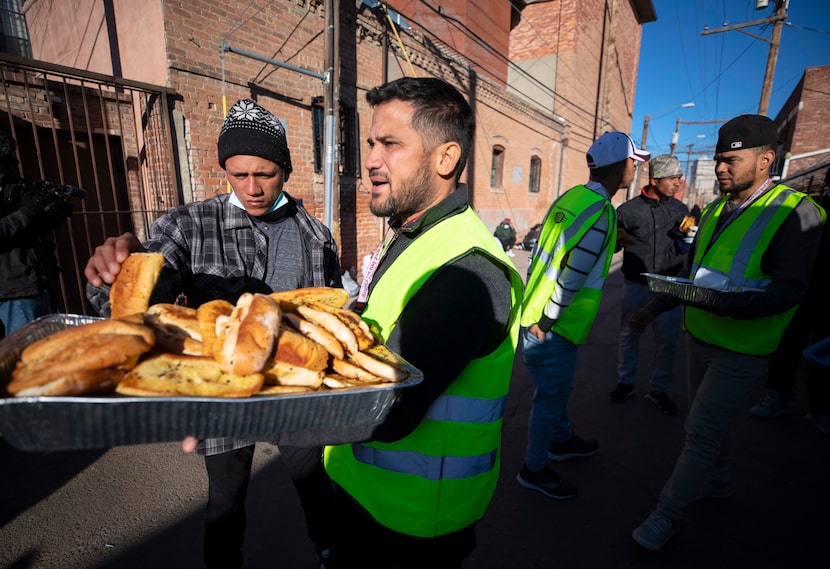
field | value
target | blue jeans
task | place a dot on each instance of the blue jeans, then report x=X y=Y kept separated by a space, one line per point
x=16 y=312
x=720 y=382
x=666 y=329
x=551 y=364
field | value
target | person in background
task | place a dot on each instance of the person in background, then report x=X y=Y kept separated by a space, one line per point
x=648 y=229
x=506 y=234
x=565 y=280
x=256 y=238
x=810 y=324
x=759 y=239
x=28 y=267
x=440 y=292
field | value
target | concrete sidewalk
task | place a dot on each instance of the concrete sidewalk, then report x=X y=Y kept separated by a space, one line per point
x=143 y=506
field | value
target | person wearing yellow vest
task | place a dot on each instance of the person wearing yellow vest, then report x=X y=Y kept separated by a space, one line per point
x=759 y=238
x=440 y=291
x=566 y=276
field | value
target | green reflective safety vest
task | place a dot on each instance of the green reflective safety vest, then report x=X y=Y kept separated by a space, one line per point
x=441 y=477
x=568 y=220
x=737 y=253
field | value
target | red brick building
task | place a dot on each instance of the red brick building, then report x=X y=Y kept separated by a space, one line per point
x=804 y=128
x=544 y=78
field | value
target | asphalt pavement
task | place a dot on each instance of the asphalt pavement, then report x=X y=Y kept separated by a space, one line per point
x=142 y=506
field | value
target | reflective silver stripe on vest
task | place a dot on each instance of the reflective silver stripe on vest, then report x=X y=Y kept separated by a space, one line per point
x=749 y=241
x=546 y=257
x=466 y=409
x=425 y=466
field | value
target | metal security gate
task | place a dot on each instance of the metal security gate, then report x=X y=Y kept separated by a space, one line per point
x=109 y=136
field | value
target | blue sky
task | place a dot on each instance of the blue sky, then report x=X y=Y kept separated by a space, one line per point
x=722 y=73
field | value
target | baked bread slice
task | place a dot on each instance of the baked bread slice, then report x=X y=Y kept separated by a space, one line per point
x=76 y=383
x=352 y=319
x=180 y=317
x=174 y=375
x=353 y=371
x=134 y=284
x=315 y=333
x=283 y=390
x=332 y=324
x=281 y=373
x=85 y=353
x=687 y=223
x=336 y=297
x=380 y=361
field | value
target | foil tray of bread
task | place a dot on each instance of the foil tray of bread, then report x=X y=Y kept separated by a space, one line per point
x=104 y=420
x=687 y=291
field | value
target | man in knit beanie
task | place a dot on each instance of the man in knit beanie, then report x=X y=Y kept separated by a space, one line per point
x=255 y=238
x=252 y=130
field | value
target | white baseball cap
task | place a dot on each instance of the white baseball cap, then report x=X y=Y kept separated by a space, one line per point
x=613 y=147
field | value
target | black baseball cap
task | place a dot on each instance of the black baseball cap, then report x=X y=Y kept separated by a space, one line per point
x=747 y=131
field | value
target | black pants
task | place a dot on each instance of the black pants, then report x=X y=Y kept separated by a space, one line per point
x=225 y=519
x=362 y=542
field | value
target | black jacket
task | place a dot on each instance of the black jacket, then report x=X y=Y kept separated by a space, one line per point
x=658 y=246
x=27 y=251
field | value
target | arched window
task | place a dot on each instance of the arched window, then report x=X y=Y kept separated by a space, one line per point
x=535 y=174
x=497 y=166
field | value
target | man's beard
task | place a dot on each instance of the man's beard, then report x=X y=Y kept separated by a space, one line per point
x=410 y=197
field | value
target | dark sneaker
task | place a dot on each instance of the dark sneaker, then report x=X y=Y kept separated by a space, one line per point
x=621 y=393
x=663 y=402
x=773 y=405
x=654 y=532
x=572 y=448
x=547 y=482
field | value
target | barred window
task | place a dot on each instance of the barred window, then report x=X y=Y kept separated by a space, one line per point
x=535 y=174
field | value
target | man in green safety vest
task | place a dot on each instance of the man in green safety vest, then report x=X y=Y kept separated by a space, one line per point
x=440 y=291
x=565 y=279
x=756 y=245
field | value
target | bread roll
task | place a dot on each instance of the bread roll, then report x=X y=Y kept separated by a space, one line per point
x=172 y=375
x=207 y=315
x=59 y=342
x=134 y=284
x=247 y=338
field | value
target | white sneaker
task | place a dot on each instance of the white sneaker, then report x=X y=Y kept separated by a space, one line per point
x=511 y=254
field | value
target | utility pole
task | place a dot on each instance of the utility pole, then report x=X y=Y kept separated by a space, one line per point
x=778 y=21
x=635 y=183
x=772 y=58
x=674 y=137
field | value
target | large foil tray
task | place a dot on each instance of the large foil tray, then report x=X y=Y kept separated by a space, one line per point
x=685 y=289
x=64 y=423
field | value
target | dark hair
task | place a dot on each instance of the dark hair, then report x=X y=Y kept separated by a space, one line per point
x=441 y=112
x=604 y=171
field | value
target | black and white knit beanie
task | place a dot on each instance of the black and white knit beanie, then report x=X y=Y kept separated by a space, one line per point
x=252 y=130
